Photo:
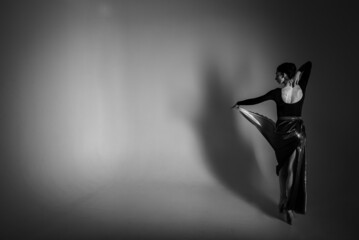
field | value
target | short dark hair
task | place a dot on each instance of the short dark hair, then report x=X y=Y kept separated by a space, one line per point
x=289 y=68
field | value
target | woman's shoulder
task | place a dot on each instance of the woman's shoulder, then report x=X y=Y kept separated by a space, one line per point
x=276 y=90
x=274 y=93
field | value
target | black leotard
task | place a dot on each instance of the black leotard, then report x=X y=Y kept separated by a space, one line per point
x=285 y=109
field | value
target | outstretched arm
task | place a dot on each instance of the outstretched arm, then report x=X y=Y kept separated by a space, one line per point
x=304 y=72
x=268 y=96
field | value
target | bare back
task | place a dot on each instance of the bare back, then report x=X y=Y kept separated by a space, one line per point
x=292 y=94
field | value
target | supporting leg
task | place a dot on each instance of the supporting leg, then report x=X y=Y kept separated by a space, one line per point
x=289 y=182
x=286 y=176
x=282 y=187
x=288 y=187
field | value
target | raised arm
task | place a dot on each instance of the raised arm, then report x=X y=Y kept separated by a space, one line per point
x=268 y=96
x=305 y=70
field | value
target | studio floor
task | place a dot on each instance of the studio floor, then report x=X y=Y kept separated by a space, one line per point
x=139 y=209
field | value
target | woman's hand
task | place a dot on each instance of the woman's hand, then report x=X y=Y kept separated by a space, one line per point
x=297 y=77
x=235 y=106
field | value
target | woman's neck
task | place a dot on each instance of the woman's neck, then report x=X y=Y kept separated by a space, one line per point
x=289 y=83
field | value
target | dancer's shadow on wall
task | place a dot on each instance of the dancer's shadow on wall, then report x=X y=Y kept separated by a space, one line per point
x=228 y=156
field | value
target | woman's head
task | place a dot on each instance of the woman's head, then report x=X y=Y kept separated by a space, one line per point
x=285 y=72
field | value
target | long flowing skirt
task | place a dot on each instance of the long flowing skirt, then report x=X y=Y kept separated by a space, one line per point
x=286 y=136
